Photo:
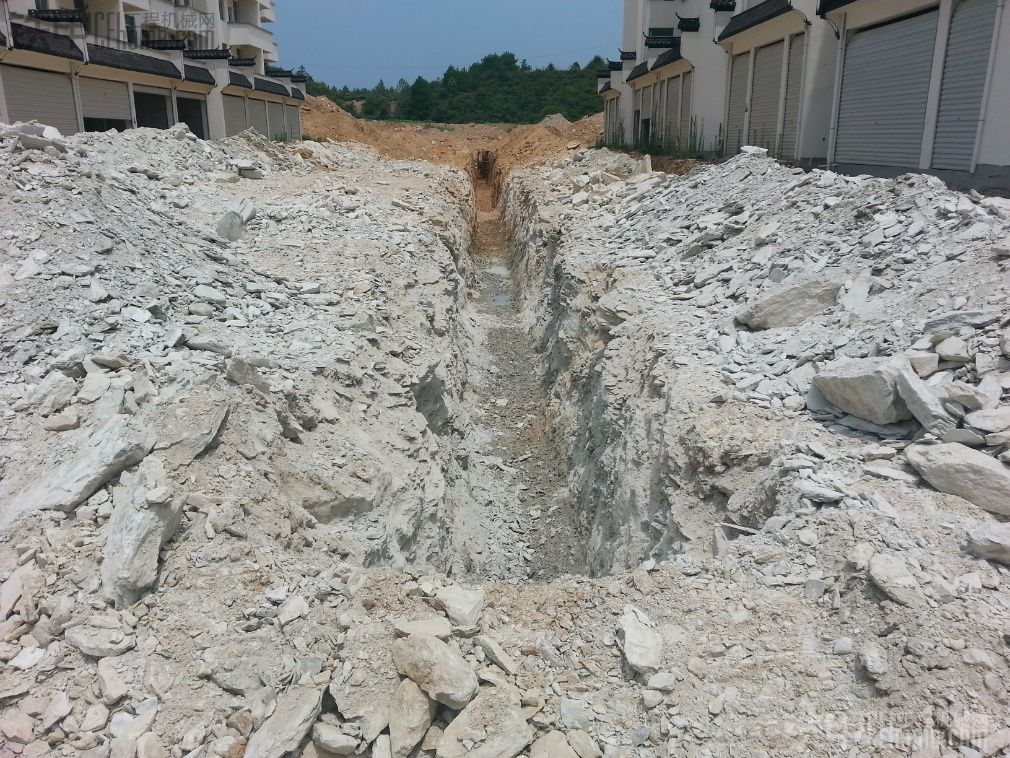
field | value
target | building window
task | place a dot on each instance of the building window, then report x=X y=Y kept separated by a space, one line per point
x=220 y=8
x=131 y=29
x=41 y=5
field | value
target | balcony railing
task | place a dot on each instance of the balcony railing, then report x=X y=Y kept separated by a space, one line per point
x=248 y=35
x=59 y=16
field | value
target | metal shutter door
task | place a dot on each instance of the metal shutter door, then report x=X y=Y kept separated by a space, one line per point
x=685 y=111
x=275 y=111
x=104 y=99
x=964 y=74
x=766 y=95
x=294 y=121
x=647 y=103
x=234 y=115
x=885 y=85
x=258 y=115
x=673 y=113
x=737 y=112
x=44 y=96
x=638 y=99
x=794 y=83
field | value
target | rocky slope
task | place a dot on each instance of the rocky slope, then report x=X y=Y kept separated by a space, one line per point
x=253 y=500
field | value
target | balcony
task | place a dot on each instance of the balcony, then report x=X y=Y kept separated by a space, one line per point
x=248 y=35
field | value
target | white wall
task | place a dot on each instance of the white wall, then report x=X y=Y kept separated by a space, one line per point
x=994 y=149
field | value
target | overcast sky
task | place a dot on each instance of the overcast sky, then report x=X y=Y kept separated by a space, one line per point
x=358 y=42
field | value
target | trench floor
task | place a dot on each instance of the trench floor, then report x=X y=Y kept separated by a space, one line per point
x=516 y=408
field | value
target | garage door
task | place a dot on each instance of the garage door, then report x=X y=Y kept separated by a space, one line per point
x=275 y=111
x=685 y=111
x=234 y=115
x=885 y=85
x=103 y=102
x=766 y=95
x=44 y=96
x=794 y=84
x=672 y=133
x=968 y=50
x=258 y=116
x=294 y=121
x=737 y=112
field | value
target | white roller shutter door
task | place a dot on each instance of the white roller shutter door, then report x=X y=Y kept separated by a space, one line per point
x=685 y=110
x=794 y=84
x=647 y=102
x=967 y=65
x=737 y=112
x=105 y=99
x=234 y=115
x=44 y=96
x=258 y=115
x=885 y=86
x=275 y=111
x=293 y=117
x=766 y=96
x=673 y=113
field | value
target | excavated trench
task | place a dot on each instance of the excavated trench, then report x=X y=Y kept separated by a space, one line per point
x=513 y=401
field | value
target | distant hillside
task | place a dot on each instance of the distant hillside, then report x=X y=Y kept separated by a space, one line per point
x=498 y=89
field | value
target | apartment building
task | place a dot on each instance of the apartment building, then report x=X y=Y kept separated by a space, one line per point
x=93 y=65
x=865 y=86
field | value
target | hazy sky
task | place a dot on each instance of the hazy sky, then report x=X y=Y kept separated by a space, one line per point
x=358 y=42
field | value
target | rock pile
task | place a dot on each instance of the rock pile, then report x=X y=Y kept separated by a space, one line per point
x=247 y=508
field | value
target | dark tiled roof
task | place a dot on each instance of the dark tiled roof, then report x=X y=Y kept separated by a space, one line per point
x=39 y=41
x=723 y=5
x=265 y=85
x=670 y=56
x=606 y=88
x=239 y=80
x=200 y=75
x=131 y=61
x=689 y=24
x=639 y=71
x=214 y=54
x=751 y=17
x=297 y=94
x=826 y=6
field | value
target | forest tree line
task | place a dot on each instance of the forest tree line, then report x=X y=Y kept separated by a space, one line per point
x=499 y=88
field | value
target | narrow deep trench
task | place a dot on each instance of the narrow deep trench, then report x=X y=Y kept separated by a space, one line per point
x=515 y=407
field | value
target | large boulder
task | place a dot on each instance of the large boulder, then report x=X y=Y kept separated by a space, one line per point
x=991 y=540
x=437 y=669
x=795 y=300
x=492 y=726
x=296 y=712
x=641 y=642
x=958 y=470
x=865 y=387
x=410 y=715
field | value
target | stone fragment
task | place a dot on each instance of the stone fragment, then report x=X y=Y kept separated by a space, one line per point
x=491 y=726
x=333 y=740
x=873 y=660
x=924 y=403
x=62 y=422
x=583 y=744
x=137 y=531
x=958 y=470
x=58 y=709
x=496 y=654
x=796 y=300
x=436 y=668
x=17 y=727
x=891 y=576
x=641 y=642
x=230 y=226
x=296 y=712
x=463 y=607
x=923 y=363
x=437 y=626
x=99 y=642
x=990 y=540
x=410 y=715
x=953 y=349
x=112 y=684
x=552 y=745
x=108 y=452
x=991 y=420
x=865 y=387
x=985 y=394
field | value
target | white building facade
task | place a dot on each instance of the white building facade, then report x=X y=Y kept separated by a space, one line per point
x=93 y=65
x=869 y=86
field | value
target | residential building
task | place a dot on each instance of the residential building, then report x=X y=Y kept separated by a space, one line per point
x=93 y=65
x=869 y=86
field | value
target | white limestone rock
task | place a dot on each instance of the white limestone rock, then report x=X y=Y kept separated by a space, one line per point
x=865 y=387
x=794 y=301
x=410 y=715
x=955 y=469
x=463 y=607
x=639 y=639
x=296 y=712
x=492 y=726
x=892 y=576
x=437 y=669
x=991 y=540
